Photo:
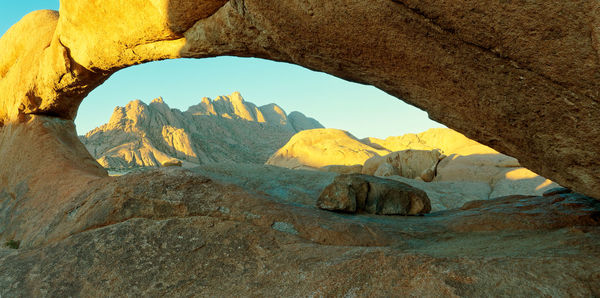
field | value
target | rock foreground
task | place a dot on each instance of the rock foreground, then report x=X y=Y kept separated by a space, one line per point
x=176 y=232
x=521 y=78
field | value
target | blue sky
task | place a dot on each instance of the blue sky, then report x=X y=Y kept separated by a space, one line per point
x=362 y=110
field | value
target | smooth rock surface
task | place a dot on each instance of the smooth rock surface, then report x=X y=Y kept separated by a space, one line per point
x=520 y=77
x=355 y=169
x=408 y=163
x=170 y=231
x=317 y=148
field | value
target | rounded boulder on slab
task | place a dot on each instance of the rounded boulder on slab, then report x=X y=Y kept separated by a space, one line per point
x=347 y=193
x=390 y=197
x=356 y=192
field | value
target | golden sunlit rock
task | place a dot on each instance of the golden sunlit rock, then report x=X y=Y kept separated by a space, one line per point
x=522 y=77
x=226 y=129
x=490 y=71
x=323 y=147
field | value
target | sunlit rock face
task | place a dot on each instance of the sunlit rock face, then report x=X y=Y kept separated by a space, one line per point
x=524 y=85
x=323 y=147
x=450 y=167
x=227 y=129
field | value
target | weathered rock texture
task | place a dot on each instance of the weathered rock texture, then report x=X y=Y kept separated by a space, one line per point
x=363 y=193
x=520 y=77
x=172 y=232
x=228 y=129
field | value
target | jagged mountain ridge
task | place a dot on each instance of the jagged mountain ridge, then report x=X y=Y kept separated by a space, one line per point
x=227 y=128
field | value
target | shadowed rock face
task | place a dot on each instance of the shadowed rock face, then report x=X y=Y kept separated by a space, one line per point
x=520 y=77
x=356 y=193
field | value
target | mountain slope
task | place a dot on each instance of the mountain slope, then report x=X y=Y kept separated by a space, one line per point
x=227 y=129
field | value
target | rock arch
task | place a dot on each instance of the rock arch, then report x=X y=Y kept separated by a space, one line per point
x=522 y=78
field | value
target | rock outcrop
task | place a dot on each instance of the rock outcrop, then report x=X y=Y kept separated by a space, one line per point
x=318 y=148
x=356 y=193
x=521 y=77
x=226 y=129
x=446 y=140
x=408 y=163
x=468 y=165
x=524 y=85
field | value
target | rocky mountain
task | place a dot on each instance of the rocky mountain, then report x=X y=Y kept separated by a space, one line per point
x=225 y=129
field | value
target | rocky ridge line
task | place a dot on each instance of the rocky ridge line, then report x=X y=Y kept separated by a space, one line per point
x=225 y=129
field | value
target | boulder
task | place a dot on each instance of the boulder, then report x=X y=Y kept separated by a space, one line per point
x=428 y=174
x=520 y=181
x=412 y=163
x=386 y=169
x=372 y=164
x=501 y=172
x=347 y=193
x=352 y=193
x=389 y=197
x=408 y=163
x=481 y=168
